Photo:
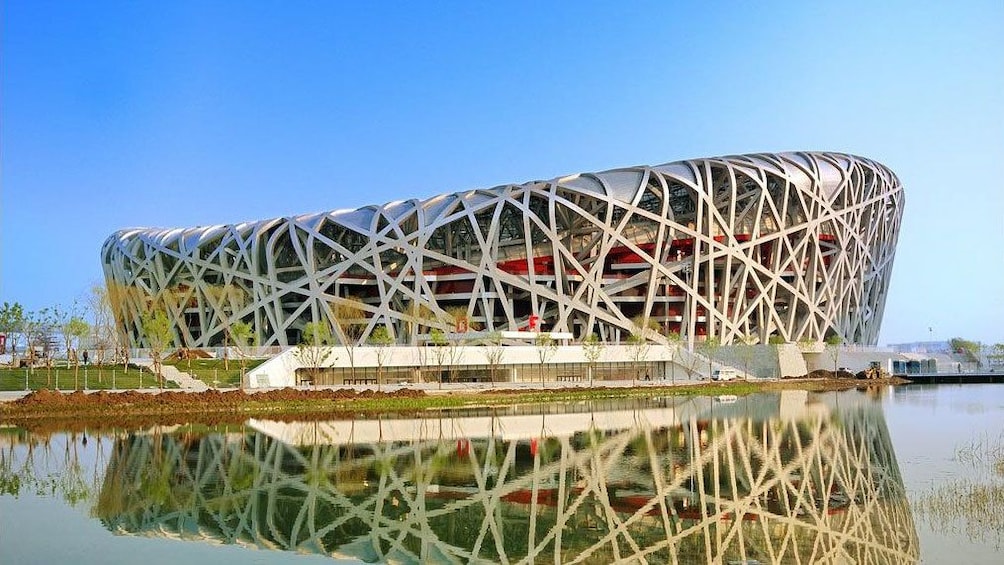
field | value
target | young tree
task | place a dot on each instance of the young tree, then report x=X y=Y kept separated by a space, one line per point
x=350 y=317
x=776 y=342
x=37 y=329
x=70 y=323
x=243 y=336
x=673 y=340
x=493 y=349
x=419 y=316
x=226 y=300
x=440 y=351
x=546 y=347
x=12 y=324
x=77 y=329
x=639 y=351
x=102 y=323
x=833 y=344
x=709 y=348
x=746 y=350
x=315 y=349
x=638 y=340
x=592 y=350
x=157 y=333
x=460 y=322
x=381 y=339
x=692 y=360
x=119 y=299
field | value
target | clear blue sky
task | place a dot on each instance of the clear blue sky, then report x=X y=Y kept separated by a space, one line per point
x=176 y=114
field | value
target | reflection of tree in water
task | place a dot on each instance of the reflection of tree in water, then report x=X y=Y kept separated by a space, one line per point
x=33 y=464
x=823 y=488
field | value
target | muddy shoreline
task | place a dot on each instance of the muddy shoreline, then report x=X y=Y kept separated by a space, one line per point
x=47 y=410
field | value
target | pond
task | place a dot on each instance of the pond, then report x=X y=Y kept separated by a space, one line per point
x=887 y=475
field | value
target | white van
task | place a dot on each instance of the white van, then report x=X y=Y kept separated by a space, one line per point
x=723 y=374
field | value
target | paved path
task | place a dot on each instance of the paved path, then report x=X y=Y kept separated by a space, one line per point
x=183 y=380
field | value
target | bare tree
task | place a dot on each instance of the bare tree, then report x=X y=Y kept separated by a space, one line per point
x=691 y=363
x=459 y=337
x=315 y=349
x=639 y=348
x=102 y=323
x=350 y=317
x=70 y=322
x=226 y=301
x=746 y=349
x=493 y=349
x=419 y=316
x=78 y=329
x=592 y=350
x=38 y=328
x=638 y=340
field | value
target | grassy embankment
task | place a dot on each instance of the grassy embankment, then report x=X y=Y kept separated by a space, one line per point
x=91 y=377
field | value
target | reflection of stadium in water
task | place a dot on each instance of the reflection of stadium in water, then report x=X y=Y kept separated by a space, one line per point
x=786 y=477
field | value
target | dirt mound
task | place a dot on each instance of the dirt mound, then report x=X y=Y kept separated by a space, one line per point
x=43 y=396
x=210 y=399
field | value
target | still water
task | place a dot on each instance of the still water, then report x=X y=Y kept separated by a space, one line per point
x=788 y=477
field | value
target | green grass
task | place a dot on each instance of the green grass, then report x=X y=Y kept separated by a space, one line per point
x=104 y=377
x=213 y=371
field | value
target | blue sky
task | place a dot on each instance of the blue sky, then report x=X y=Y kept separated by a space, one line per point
x=176 y=114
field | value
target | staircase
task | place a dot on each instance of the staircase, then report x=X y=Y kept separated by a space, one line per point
x=171 y=373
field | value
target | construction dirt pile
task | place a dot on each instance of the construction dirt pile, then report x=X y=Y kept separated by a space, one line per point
x=211 y=399
x=840 y=374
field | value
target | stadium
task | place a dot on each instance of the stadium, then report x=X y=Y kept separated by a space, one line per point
x=751 y=248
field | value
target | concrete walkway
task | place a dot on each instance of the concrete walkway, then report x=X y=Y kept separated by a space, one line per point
x=184 y=380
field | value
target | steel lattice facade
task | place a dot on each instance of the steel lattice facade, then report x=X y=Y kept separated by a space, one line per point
x=797 y=245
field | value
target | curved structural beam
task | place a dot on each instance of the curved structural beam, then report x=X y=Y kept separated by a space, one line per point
x=797 y=245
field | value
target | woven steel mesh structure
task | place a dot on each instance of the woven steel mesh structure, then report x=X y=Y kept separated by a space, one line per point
x=795 y=245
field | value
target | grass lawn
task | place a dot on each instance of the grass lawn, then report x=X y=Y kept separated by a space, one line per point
x=212 y=371
x=94 y=377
